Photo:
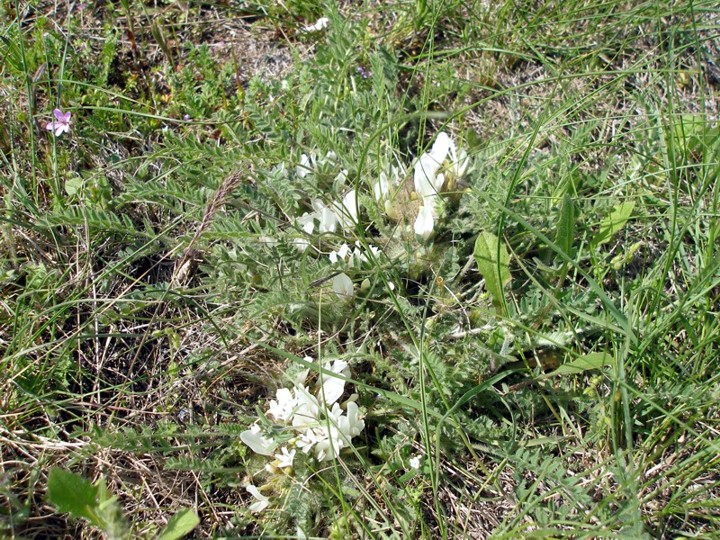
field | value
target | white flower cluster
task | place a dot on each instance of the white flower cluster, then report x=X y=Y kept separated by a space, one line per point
x=429 y=178
x=431 y=171
x=318 y=421
x=352 y=258
x=329 y=216
x=325 y=217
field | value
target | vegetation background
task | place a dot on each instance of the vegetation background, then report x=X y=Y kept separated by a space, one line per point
x=153 y=297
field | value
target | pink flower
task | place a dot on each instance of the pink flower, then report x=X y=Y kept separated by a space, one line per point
x=61 y=124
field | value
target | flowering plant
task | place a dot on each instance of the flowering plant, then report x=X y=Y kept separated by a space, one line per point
x=61 y=123
x=313 y=422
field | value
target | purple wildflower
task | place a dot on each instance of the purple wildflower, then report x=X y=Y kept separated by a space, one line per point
x=61 y=124
x=364 y=73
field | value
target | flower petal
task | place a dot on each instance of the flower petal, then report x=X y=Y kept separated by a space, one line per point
x=333 y=387
x=425 y=174
x=425 y=221
x=442 y=147
x=257 y=442
x=261 y=502
x=343 y=286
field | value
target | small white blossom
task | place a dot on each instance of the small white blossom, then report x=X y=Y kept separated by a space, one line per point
x=428 y=182
x=347 y=211
x=329 y=442
x=355 y=258
x=340 y=255
x=306 y=166
x=415 y=462
x=425 y=221
x=285 y=458
x=459 y=162
x=321 y=24
x=333 y=387
x=307 y=222
x=307 y=440
x=306 y=409
x=445 y=155
x=340 y=179
x=343 y=286
x=351 y=425
x=261 y=501
x=326 y=216
x=381 y=189
x=283 y=407
x=257 y=442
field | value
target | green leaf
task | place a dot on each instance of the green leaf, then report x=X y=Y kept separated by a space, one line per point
x=566 y=225
x=493 y=263
x=587 y=362
x=695 y=135
x=613 y=223
x=73 y=185
x=180 y=524
x=73 y=494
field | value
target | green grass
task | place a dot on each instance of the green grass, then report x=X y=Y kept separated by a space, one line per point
x=154 y=297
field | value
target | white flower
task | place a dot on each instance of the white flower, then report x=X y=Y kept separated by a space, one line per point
x=428 y=182
x=333 y=387
x=307 y=164
x=261 y=501
x=341 y=178
x=427 y=176
x=307 y=222
x=306 y=409
x=257 y=442
x=381 y=189
x=347 y=213
x=351 y=425
x=459 y=162
x=358 y=257
x=343 y=286
x=425 y=221
x=285 y=458
x=326 y=216
x=284 y=407
x=339 y=255
x=307 y=440
x=299 y=378
x=442 y=146
x=415 y=462
x=329 y=443
x=321 y=24
x=355 y=258
x=301 y=244
x=384 y=188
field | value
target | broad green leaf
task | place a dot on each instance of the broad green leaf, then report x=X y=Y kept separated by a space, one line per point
x=587 y=362
x=566 y=225
x=613 y=223
x=73 y=494
x=73 y=185
x=696 y=136
x=181 y=524
x=493 y=263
